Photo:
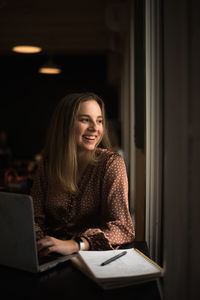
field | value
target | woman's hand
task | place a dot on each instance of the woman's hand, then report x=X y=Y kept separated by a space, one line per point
x=50 y=244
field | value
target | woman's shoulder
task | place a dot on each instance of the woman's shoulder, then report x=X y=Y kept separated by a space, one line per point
x=111 y=165
x=107 y=156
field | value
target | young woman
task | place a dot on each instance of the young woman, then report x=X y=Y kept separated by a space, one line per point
x=80 y=191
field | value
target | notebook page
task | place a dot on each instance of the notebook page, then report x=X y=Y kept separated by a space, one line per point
x=130 y=265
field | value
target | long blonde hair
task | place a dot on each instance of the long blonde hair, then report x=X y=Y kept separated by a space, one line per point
x=60 y=150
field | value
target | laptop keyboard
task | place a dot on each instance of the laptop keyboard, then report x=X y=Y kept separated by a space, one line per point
x=48 y=258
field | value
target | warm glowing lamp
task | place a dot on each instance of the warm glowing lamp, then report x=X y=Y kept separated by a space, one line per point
x=26 y=49
x=49 y=68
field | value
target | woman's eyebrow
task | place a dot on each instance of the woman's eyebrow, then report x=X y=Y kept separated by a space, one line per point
x=85 y=115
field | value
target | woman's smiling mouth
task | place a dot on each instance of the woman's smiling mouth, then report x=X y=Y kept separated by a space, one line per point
x=89 y=137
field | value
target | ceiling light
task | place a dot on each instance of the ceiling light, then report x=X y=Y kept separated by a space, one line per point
x=26 y=49
x=49 y=68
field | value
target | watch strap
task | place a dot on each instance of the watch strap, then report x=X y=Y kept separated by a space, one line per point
x=80 y=243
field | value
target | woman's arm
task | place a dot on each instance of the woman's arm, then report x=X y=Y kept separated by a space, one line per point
x=49 y=244
x=116 y=226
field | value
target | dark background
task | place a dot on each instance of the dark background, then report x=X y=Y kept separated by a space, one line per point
x=29 y=98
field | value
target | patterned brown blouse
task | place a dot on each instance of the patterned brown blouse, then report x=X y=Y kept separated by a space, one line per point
x=99 y=212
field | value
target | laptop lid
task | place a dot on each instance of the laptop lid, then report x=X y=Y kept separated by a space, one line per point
x=17 y=235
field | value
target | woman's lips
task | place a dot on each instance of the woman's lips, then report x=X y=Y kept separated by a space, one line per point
x=89 y=138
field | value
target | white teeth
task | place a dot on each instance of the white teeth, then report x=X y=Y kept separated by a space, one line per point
x=89 y=137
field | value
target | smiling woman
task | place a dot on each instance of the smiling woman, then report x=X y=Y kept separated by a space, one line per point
x=67 y=137
x=80 y=191
x=88 y=126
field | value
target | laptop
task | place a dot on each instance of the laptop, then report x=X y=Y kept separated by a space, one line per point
x=17 y=235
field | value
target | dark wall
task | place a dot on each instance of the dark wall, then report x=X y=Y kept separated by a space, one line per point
x=139 y=60
x=29 y=98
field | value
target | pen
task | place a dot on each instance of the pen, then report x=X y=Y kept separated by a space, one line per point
x=113 y=258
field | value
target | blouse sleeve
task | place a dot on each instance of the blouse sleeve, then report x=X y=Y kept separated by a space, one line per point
x=116 y=226
x=38 y=195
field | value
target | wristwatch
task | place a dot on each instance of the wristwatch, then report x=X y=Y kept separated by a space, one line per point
x=80 y=243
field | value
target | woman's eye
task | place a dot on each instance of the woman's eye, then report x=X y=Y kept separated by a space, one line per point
x=100 y=121
x=85 y=120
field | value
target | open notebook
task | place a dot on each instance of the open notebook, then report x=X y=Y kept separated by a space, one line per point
x=133 y=267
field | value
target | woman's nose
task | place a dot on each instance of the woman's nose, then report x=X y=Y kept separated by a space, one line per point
x=93 y=126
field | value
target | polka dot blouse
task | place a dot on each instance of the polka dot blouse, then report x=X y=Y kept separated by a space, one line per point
x=99 y=211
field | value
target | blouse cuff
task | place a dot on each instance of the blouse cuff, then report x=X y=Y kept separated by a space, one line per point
x=97 y=240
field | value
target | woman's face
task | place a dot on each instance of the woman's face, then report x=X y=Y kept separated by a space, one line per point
x=88 y=125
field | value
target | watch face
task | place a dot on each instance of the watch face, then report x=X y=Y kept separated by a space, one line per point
x=80 y=243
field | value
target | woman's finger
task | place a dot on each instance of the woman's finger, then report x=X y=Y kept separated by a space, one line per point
x=44 y=243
